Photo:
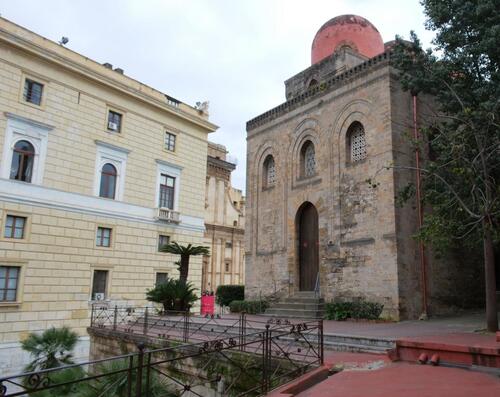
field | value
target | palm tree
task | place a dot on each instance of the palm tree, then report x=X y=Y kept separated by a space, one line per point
x=185 y=252
x=53 y=348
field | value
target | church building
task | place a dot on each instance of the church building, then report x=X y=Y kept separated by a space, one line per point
x=314 y=222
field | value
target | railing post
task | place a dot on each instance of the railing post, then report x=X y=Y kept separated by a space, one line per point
x=185 y=335
x=320 y=342
x=148 y=374
x=146 y=316
x=266 y=359
x=115 y=317
x=92 y=315
x=129 y=376
x=140 y=362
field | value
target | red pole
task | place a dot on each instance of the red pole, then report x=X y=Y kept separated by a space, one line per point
x=423 y=264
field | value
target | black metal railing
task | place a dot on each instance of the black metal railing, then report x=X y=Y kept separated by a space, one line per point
x=249 y=365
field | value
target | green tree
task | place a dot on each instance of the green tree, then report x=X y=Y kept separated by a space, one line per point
x=461 y=178
x=185 y=252
x=53 y=348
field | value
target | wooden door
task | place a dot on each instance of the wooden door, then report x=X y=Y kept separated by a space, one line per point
x=308 y=246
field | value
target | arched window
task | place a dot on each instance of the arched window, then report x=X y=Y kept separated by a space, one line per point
x=356 y=141
x=313 y=82
x=108 y=181
x=23 y=157
x=269 y=174
x=308 y=160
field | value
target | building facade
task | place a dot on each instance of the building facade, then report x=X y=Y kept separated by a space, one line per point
x=313 y=220
x=224 y=223
x=97 y=171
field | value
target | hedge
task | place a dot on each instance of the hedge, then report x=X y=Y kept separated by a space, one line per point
x=225 y=294
x=250 y=307
x=360 y=309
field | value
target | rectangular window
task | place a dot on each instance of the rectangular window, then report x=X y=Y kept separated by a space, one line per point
x=114 y=121
x=228 y=267
x=229 y=244
x=14 y=226
x=99 y=285
x=33 y=92
x=9 y=281
x=163 y=240
x=170 y=141
x=167 y=187
x=103 y=237
x=161 y=278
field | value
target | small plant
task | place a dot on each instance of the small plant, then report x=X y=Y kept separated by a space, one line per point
x=359 y=309
x=53 y=348
x=174 y=295
x=225 y=294
x=250 y=307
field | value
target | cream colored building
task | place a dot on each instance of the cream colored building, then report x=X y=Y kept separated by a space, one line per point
x=95 y=169
x=224 y=223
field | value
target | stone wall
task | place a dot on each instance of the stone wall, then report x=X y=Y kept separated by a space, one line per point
x=357 y=246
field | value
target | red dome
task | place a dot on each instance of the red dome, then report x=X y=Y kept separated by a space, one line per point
x=347 y=30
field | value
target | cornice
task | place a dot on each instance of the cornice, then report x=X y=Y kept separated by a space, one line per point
x=51 y=56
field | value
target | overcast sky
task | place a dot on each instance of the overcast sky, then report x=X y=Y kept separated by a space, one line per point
x=234 y=53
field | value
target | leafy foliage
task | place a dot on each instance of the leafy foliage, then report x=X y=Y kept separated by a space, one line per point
x=62 y=377
x=225 y=294
x=53 y=348
x=461 y=179
x=115 y=383
x=250 y=307
x=185 y=253
x=359 y=309
x=174 y=295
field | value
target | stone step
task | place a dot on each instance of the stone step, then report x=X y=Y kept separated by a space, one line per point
x=305 y=293
x=298 y=306
x=294 y=299
x=293 y=313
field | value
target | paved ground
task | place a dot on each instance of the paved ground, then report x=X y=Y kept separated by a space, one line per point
x=367 y=375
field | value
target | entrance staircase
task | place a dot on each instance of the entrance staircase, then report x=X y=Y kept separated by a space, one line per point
x=303 y=304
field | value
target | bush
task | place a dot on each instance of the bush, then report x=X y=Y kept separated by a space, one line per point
x=360 y=309
x=225 y=294
x=173 y=295
x=250 y=307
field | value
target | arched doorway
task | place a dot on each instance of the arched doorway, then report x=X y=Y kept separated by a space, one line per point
x=307 y=234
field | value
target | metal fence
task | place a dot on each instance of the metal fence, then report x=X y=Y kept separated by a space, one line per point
x=206 y=356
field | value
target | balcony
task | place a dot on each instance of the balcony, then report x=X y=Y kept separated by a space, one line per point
x=168 y=215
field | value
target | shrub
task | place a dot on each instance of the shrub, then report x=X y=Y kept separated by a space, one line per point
x=250 y=307
x=173 y=295
x=225 y=294
x=359 y=309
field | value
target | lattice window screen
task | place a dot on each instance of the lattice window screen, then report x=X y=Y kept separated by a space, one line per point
x=358 y=143
x=271 y=172
x=309 y=161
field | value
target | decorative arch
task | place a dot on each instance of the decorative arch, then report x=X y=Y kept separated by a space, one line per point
x=306 y=131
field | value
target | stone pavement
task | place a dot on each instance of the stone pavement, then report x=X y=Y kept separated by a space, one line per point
x=366 y=375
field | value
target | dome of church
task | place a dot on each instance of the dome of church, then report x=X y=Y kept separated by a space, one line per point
x=350 y=31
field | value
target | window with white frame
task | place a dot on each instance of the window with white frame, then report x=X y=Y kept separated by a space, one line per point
x=100 y=285
x=110 y=168
x=168 y=185
x=356 y=142
x=167 y=191
x=25 y=149
x=169 y=143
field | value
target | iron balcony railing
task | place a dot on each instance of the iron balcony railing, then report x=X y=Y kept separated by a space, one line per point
x=240 y=357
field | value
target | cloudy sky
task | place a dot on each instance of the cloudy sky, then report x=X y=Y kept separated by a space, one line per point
x=234 y=53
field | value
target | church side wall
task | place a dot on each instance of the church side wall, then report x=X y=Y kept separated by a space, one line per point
x=454 y=280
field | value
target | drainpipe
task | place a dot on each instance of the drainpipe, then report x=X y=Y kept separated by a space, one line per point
x=423 y=264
